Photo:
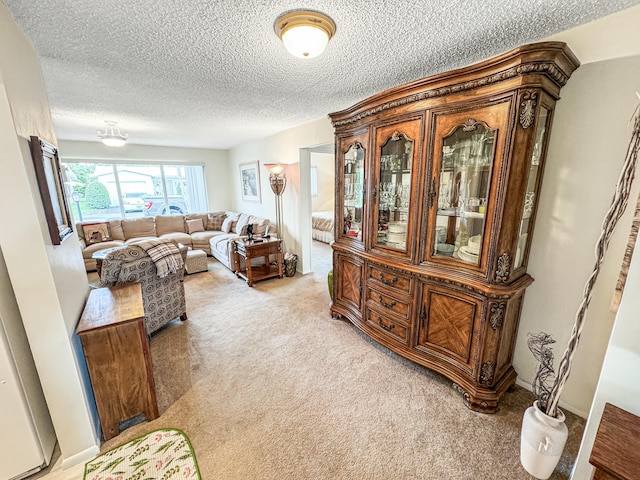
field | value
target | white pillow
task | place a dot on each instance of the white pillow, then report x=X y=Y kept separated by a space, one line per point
x=227 y=224
x=241 y=224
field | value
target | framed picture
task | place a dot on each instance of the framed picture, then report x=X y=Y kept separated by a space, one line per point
x=250 y=181
x=51 y=186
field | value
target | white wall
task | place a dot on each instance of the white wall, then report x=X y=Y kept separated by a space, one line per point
x=326 y=181
x=49 y=282
x=216 y=163
x=283 y=147
x=588 y=145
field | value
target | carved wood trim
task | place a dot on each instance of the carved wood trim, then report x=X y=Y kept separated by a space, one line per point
x=548 y=68
x=470 y=125
x=486 y=373
x=465 y=396
x=496 y=317
x=528 y=108
x=503 y=268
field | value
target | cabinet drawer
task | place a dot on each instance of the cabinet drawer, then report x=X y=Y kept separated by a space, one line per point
x=389 y=325
x=385 y=303
x=390 y=279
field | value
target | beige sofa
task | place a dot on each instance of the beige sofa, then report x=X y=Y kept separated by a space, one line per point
x=210 y=232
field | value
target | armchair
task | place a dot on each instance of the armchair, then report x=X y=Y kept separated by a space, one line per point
x=163 y=298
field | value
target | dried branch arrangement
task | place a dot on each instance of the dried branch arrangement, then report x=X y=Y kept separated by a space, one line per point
x=549 y=396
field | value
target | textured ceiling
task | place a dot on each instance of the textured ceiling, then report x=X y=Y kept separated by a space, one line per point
x=213 y=74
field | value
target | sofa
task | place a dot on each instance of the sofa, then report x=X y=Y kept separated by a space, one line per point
x=211 y=232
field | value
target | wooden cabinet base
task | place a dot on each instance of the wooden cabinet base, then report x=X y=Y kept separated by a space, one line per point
x=116 y=348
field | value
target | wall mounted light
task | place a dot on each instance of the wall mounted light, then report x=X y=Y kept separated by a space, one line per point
x=111 y=135
x=305 y=33
x=278 y=182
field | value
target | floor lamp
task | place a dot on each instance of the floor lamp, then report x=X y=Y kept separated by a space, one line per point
x=278 y=181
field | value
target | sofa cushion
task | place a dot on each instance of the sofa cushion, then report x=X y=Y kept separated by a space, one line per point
x=169 y=224
x=96 y=247
x=193 y=216
x=115 y=226
x=194 y=225
x=138 y=227
x=214 y=220
x=129 y=241
x=178 y=237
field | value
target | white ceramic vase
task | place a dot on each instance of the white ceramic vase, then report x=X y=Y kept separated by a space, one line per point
x=542 y=441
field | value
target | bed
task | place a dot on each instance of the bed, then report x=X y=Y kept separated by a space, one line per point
x=322 y=226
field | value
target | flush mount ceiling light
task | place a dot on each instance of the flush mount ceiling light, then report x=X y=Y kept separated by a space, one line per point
x=305 y=33
x=111 y=135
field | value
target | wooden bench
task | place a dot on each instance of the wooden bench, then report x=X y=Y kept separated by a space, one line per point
x=116 y=348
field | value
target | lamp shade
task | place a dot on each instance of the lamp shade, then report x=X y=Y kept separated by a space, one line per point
x=276 y=168
x=305 y=33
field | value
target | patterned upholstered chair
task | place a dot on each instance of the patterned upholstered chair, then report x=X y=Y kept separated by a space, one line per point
x=163 y=298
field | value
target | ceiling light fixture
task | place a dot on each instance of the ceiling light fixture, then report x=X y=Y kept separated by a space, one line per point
x=305 y=33
x=109 y=137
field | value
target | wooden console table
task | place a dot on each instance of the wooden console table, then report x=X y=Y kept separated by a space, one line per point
x=616 y=449
x=248 y=249
x=116 y=348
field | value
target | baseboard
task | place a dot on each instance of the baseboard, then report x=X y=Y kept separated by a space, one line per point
x=80 y=457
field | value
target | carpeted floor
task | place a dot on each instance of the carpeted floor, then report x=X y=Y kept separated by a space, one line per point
x=268 y=386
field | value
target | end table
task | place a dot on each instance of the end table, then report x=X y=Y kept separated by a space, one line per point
x=258 y=247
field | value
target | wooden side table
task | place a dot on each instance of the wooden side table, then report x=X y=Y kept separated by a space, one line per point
x=116 y=348
x=616 y=448
x=248 y=249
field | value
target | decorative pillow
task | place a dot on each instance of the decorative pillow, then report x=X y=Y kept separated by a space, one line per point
x=241 y=224
x=227 y=225
x=96 y=232
x=195 y=225
x=214 y=220
x=259 y=224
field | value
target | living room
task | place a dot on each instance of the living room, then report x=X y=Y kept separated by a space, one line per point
x=582 y=169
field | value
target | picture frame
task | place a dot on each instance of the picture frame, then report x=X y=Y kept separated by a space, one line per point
x=50 y=183
x=250 y=181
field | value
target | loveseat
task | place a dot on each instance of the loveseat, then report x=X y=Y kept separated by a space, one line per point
x=211 y=232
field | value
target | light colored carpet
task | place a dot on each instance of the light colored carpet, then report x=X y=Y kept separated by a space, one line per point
x=268 y=386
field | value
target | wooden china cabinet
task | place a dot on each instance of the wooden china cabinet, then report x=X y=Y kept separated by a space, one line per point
x=436 y=198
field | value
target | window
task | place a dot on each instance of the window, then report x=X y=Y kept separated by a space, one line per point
x=103 y=191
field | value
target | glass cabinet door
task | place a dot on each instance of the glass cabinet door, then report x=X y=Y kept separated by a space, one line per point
x=352 y=181
x=463 y=192
x=530 y=195
x=394 y=191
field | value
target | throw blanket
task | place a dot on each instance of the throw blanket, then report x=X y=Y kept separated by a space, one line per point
x=164 y=253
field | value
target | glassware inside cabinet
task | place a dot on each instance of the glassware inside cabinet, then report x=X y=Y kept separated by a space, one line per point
x=353 y=191
x=465 y=175
x=394 y=191
x=530 y=195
